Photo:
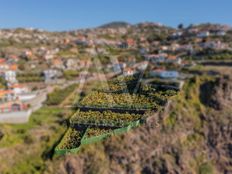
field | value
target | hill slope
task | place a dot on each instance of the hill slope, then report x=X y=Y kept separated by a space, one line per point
x=191 y=136
x=116 y=24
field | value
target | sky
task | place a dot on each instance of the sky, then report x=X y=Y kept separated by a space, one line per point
x=60 y=15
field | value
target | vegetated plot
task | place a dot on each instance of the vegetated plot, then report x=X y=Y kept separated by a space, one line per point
x=119 y=95
x=97 y=131
x=119 y=85
x=123 y=100
x=105 y=118
x=58 y=95
x=96 y=134
x=71 y=140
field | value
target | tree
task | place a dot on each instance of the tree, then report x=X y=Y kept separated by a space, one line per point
x=181 y=26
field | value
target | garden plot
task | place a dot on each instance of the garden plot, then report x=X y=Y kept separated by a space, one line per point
x=105 y=118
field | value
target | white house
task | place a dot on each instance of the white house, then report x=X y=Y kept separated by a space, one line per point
x=4 y=67
x=142 y=65
x=156 y=58
x=129 y=72
x=174 y=60
x=19 y=89
x=214 y=45
x=51 y=74
x=203 y=34
x=177 y=34
x=220 y=33
x=165 y=74
x=187 y=47
x=143 y=51
x=71 y=64
x=7 y=95
x=10 y=76
x=26 y=96
x=118 y=67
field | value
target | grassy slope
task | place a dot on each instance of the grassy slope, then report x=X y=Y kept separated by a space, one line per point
x=178 y=144
x=25 y=147
x=181 y=130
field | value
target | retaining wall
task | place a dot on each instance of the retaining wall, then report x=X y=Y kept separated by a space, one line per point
x=94 y=139
x=15 y=117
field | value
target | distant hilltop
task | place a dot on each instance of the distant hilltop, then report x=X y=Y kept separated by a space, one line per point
x=123 y=24
x=116 y=24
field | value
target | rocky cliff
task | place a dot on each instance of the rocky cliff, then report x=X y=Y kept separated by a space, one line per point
x=193 y=135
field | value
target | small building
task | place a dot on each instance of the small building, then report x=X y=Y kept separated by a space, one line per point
x=156 y=58
x=51 y=74
x=122 y=45
x=4 y=66
x=143 y=51
x=58 y=63
x=220 y=33
x=10 y=76
x=26 y=96
x=118 y=67
x=174 y=59
x=165 y=74
x=130 y=42
x=142 y=65
x=129 y=72
x=7 y=95
x=71 y=64
x=27 y=54
x=12 y=106
x=13 y=58
x=214 y=45
x=177 y=35
x=19 y=89
x=203 y=34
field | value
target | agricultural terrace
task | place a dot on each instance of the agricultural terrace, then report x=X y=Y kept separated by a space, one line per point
x=104 y=111
x=105 y=118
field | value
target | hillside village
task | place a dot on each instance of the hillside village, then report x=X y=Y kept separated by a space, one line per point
x=32 y=60
x=60 y=92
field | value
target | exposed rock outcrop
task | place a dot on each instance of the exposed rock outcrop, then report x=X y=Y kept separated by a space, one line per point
x=217 y=93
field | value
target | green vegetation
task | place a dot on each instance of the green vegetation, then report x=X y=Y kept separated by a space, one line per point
x=3 y=83
x=104 y=118
x=106 y=100
x=71 y=140
x=70 y=74
x=67 y=54
x=35 y=139
x=188 y=98
x=92 y=132
x=210 y=54
x=120 y=84
x=165 y=82
x=58 y=96
x=30 y=77
x=206 y=168
x=113 y=94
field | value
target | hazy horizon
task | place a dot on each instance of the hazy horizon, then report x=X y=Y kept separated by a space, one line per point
x=100 y=25
x=70 y=15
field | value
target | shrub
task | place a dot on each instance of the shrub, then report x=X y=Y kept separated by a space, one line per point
x=58 y=95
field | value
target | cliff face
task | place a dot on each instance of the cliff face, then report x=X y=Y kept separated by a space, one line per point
x=217 y=94
x=193 y=135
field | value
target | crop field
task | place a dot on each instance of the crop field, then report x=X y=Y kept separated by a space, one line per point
x=119 y=85
x=106 y=118
x=124 y=100
x=113 y=108
x=92 y=132
x=72 y=139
